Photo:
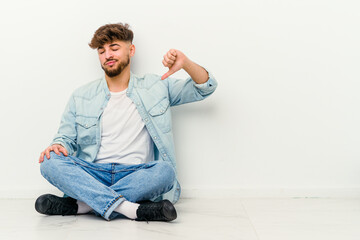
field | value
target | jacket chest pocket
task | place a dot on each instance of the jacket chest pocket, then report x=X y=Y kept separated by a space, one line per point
x=161 y=115
x=86 y=130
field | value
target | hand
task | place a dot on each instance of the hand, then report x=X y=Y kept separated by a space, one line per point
x=174 y=60
x=57 y=148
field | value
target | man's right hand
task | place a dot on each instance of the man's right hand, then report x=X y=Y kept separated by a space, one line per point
x=57 y=148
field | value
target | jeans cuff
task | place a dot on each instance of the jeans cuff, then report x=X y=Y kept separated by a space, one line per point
x=111 y=206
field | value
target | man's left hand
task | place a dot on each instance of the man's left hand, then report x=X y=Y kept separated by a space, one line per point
x=174 y=60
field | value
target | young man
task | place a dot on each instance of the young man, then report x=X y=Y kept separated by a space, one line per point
x=114 y=151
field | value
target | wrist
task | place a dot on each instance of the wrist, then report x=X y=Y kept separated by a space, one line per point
x=187 y=64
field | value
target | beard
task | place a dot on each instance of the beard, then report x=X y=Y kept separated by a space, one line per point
x=118 y=70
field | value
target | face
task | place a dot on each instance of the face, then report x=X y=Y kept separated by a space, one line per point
x=115 y=57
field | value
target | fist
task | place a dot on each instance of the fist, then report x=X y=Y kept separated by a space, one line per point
x=174 y=60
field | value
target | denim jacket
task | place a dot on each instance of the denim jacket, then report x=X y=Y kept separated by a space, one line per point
x=80 y=128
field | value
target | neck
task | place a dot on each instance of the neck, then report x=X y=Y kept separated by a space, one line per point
x=119 y=82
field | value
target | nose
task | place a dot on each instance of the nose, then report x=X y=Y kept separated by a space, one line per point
x=108 y=55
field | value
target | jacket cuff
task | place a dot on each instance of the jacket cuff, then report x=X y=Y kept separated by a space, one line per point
x=209 y=85
x=66 y=146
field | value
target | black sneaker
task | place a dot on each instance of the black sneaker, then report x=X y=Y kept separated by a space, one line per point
x=156 y=211
x=53 y=205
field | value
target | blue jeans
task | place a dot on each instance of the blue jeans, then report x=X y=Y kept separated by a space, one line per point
x=103 y=186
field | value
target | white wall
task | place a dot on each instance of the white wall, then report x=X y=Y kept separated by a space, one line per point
x=284 y=120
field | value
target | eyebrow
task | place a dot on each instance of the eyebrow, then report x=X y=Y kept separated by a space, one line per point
x=111 y=45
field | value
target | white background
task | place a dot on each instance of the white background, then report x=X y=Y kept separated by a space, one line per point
x=283 y=121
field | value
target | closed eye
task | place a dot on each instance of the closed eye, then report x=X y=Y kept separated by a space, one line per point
x=101 y=50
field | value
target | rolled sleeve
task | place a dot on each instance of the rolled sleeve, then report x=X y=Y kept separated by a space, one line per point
x=207 y=87
x=69 y=148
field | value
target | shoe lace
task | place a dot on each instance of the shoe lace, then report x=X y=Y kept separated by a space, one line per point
x=151 y=212
x=63 y=208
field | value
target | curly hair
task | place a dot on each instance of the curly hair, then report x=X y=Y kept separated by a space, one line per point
x=111 y=32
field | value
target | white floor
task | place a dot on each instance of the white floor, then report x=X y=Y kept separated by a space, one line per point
x=220 y=219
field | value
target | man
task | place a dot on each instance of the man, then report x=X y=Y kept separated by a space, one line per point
x=114 y=151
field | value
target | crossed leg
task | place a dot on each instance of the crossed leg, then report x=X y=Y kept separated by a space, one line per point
x=103 y=187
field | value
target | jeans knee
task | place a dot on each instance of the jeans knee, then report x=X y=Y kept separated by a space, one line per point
x=49 y=165
x=167 y=171
x=45 y=167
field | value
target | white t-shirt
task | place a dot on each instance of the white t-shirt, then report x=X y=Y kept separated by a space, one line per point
x=124 y=137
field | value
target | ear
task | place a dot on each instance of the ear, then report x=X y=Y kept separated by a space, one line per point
x=132 y=50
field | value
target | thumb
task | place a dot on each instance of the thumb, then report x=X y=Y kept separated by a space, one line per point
x=166 y=75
